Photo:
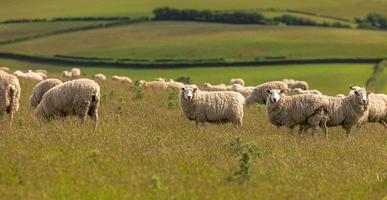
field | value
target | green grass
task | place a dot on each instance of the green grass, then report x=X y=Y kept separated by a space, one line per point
x=57 y=8
x=329 y=78
x=143 y=150
x=191 y=40
x=13 y=31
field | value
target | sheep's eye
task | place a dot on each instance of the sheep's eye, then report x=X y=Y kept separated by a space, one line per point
x=356 y=92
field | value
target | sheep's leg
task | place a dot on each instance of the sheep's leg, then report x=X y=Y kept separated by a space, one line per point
x=348 y=130
x=238 y=122
x=94 y=117
x=10 y=114
x=384 y=123
x=292 y=129
x=324 y=128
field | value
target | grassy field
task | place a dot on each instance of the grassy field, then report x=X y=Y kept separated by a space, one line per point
x=56 y=8
x=13 y=31
x=329 y=78
x=145 y=150
x=190 y=40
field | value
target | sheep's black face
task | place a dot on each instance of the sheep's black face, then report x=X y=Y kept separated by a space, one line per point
x=188 y=92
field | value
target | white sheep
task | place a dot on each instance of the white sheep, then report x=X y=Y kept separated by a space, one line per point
x=29 y=75
x=41 y=88
x=155 y=85
x=340 y=95
x=260 y=94
x=305 y=110
x=66 y=74
x=203 y=106
x=292 y=84
x=6 y=69
x=159 y=79
x=100 y=77
x=123 y=79
x=377 y=109
x=245 y=91
x=9 y=94
x=79 y=97
x=175 y=85
x=237 y=81
x=301 y=91
x=219 y=87
x=75 y=72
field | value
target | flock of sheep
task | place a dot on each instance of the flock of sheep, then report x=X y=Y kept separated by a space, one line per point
x=289 y=103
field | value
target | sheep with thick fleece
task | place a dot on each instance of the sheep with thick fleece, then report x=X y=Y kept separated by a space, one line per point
x=66 y=74
x=175 y=85
x=100 y=77
x=29 y=75
x=6 y=69
x=41 y=88
x=245 y=91
x=292 y=84
x=155 y=85
x=340 y=95
x=204 y=106
x=306 y=110
x=122 y=79
x=220 y=87
x=260 y=94
x=301 y=91
x=9 y=94
x=237 y=81
x=79 y=97
x=159 y=79
x=348 y=111
x=75 y=72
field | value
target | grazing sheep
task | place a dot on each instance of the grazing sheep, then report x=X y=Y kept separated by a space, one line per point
x=75 y=72
x=29 y=75
x=348 y=111
x=79 y=97
x=340 y=95
x=237 y=81
x=175 y=85
x=159 y=79
x=9 y=94
x=260 y=94
x=100 y=77
x=123 y=79
x=377 y=109
x=155 y=85
x=220 y=87
x=292 y=84
x=41 y=88
x=305 y=110
x=301 y=91
x=66 y=74
x=203 y=106
x=245 y=91
x=41 y=71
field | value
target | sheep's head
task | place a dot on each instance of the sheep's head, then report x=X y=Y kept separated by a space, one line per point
x=275 y=95
x=188 y=92
x=361 y=94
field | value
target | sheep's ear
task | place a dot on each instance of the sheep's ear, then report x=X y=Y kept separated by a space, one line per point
x=350 y=87
x=195 y=89
x=369 y=92
x=282 y=91
x=268 y=91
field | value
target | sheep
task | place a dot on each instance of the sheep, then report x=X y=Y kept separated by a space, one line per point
x=100 y=77
x=292 y=84
x=175 y=85
x=155 y=85
x=40 y=89
x=306 y=110
x=123 y=79
x=159 y=79
x=259 y=94
x=204 y=106
x=301 y=91
x=66 y=74
x=245 y=91
x=41 y=71
x=348 y=111
x=6 y=69
x=340 y=95
x=220 y=87
x=9 y=94
x=75 y=72
x=79 y=97
x=237 y=81
x=29 y=75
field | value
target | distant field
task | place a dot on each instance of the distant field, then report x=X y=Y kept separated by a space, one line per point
x=57 y=8
x=12 y=31
x=329 y=78
x=190 y=40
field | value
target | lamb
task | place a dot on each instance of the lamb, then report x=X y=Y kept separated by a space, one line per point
x=29 y=75
x=260 y=94
x=301 y=91
x=79 y=97
x=6 y=69
x=9 y=94
x=100 y=77
x=306 y=110
x=292 y=84
x=245 y=91
x=123 y=79
x=66 y=74
x=348 y=111
x=220 y=87
x=204 y=106
x=237 y=81
x=41 y=88
x=155 y=85
x=75 y=72
x=42 y=72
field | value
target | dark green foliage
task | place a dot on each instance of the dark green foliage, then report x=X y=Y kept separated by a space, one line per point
x=185 y=79
x=173 y=99
x=373 y=20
